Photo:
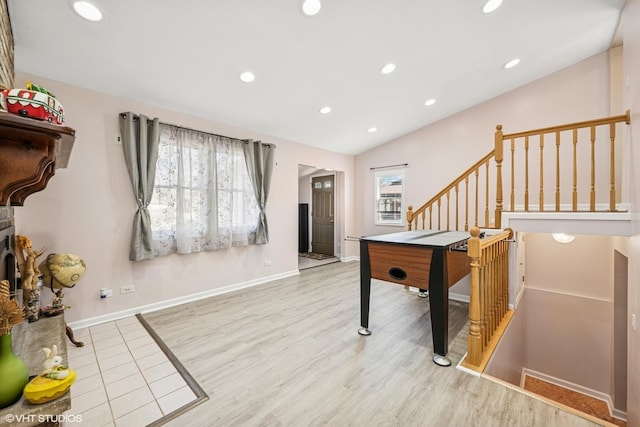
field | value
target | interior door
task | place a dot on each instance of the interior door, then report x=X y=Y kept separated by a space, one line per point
x=322 y=215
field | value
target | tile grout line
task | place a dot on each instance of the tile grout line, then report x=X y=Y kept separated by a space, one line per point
x=200 y=395
x=147 y=384
x=104 y=386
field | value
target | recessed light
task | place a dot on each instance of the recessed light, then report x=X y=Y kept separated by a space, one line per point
x=491 y=5
x=563 y=238
x=429 y=102
x=388 y=68
x=311 y=7
x=512 y=63
x=325 y=110
x=247 y=76
x=87 y=10
x=372 y=130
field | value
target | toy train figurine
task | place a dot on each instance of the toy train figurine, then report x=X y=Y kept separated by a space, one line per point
x=35 y=102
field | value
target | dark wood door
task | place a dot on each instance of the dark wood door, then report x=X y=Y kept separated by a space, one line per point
x=322 y=218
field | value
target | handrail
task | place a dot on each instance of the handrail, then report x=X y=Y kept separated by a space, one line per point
x=577 y=125
x=520 y=141
x=589 y=154
x=489 y=299
x=412 y=216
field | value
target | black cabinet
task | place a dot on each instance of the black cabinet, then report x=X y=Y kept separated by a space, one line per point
x=303 y=227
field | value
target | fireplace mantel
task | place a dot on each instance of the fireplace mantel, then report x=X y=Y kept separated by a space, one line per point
x=30 y=152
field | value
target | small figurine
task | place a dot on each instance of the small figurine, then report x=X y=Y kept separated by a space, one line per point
x=35 y=102
x=29 y=273
x=53 y=364
x=54 y=380
x=56 y=307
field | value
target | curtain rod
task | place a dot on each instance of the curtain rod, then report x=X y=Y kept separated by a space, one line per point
x=390 y=166
x=123 y=115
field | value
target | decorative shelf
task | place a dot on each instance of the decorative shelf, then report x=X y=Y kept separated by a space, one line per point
x=27 y=341
x=30 y=152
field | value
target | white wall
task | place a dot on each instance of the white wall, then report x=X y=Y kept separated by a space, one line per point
x=438 y=153
x=569 y=309
x=631 y=100
x=563 y=328
x=87 y=209
x=570 y=268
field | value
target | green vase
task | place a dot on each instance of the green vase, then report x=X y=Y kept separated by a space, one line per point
x=14 y=374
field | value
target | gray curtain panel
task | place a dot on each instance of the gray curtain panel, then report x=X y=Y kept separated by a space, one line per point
x=140 y=141
x=260 y=160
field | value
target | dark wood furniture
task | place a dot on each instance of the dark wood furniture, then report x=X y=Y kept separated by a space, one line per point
x=428 y=260
x=30 y=152
x=303 y=227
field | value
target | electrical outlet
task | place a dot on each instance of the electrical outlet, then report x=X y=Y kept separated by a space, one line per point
x=127 y=289
x=118 y=139
x=105 y=293
x=267 y=263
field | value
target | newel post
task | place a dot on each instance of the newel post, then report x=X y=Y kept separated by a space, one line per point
x=410 y=217
x=499 y=157
x=474 y=341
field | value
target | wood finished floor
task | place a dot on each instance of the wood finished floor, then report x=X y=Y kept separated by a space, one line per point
x=578 y=401
x=288 y=354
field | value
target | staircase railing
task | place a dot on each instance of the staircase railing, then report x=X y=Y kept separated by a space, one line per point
x=580 y=144
x=489 y=301
x=577 y=142
x=418 y=218
x=577 y=188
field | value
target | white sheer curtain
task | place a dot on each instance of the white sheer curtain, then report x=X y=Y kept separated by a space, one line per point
x=203 y=198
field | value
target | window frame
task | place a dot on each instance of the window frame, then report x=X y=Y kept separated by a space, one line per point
x=379 y=177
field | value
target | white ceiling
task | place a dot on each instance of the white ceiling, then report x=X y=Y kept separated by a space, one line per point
x=187 y=55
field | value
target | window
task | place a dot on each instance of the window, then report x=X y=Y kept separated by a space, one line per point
x=389 y=192
x=202 y=198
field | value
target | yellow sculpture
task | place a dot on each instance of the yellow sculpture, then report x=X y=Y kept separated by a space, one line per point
x=52 y=382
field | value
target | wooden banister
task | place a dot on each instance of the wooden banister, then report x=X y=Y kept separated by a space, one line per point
x=489 y=300
x=626 y=117
x=412 y=216
x=590 y=190
x=519 y=143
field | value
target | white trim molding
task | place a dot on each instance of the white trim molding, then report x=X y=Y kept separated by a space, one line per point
x=148 y=308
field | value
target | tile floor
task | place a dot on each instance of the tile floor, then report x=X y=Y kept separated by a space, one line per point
x=304 y=263
x=123 y=377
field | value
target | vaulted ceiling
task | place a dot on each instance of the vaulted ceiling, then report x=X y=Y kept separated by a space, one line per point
x=187 y=56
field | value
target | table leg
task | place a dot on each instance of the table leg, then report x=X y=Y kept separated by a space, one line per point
x=365 y=288
x=72 y=339
x=439 y=307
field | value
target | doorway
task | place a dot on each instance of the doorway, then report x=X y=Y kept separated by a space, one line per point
x=331 y=202
x=322 y=214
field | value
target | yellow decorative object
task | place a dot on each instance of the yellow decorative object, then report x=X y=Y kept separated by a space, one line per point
x=62 y=270
x=42 y=389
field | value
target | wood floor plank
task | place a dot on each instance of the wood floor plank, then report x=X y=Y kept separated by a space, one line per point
x=288 y=353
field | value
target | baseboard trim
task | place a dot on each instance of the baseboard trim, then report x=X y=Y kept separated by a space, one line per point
x=567 y=294
x=463 y=368
x=459 y=297
x=148 y=308
x=452 y=296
